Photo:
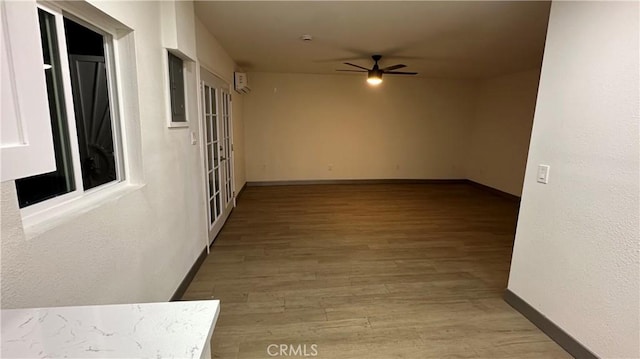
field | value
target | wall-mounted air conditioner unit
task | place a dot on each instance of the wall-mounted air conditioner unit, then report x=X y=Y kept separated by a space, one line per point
x=241 y=83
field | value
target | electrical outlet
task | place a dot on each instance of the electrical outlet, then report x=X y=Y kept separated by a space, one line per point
x=543 y=174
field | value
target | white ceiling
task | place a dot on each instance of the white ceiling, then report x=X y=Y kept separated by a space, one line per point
x=455 y=39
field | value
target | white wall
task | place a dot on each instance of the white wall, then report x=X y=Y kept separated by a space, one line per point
x=577 y=243
x=139 y=245
x=301 y=127
x=501 y=129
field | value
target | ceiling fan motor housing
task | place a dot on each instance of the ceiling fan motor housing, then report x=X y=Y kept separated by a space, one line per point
x=375 y=73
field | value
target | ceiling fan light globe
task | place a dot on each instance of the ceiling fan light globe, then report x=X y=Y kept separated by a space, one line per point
x=374 y=77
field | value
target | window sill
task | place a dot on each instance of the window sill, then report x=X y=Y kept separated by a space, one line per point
x=178 y=124
x=46 y=220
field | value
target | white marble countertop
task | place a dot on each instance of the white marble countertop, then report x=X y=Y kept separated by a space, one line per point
x=145 y=330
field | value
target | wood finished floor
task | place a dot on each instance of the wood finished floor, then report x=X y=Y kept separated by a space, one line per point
x=368 y=271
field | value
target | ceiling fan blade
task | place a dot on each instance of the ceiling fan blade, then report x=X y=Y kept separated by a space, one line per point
x=354 y=65
x=394 y=67
x=400 y=73
x=353 y=70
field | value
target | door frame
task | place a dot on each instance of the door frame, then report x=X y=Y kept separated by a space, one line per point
x=203 y=148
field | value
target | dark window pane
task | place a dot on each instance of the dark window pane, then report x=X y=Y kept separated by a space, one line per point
x=84 y=40
x=48 y=185
x=176 y=84
x=91 y=104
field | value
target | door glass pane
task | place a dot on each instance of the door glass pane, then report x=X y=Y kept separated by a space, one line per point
x=214 y=127
x=217 y=180
x=218 y=203
x=207 y=100
x=224 y=114
x=209 y=159
x=226 y=119
x=208 y=127
x=212 y=211
x=215 y=154
x=211 y=188
x=221 y=103
x=41 y=187
x=91 y=104
x=213 y=101
x=226 y=104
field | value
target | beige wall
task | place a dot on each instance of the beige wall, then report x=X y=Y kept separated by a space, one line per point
x=239 y=167
x=576 y=252
x=501 y=129
x=308 y=127
x=301 y=127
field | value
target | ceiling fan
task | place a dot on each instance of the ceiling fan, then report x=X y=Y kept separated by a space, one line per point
x=374 y=75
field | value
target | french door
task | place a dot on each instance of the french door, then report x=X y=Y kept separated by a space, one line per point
x=218 y=151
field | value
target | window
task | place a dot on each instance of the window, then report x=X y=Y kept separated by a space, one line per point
x=176 y=89
x=80 y=91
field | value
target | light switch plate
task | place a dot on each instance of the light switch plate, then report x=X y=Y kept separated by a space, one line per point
x=543 y=174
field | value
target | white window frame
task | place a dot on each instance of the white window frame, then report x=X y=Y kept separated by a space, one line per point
x=41 y=208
